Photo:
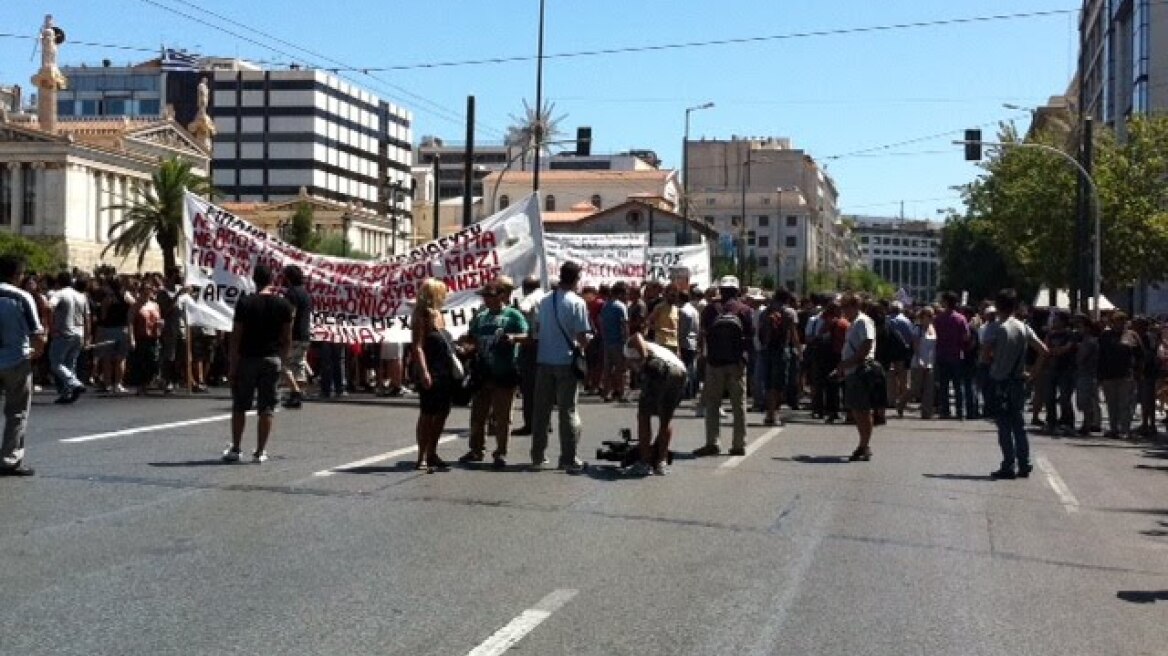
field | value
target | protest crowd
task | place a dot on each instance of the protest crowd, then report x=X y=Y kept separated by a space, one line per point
x=726 y=351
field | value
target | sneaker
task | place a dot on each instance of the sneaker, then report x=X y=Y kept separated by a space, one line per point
x=737 y=451
x=76 y=393
x=259 y=457
x=539 y=465
x=231 y=455
x=723 y=413
x=1024 y=471
x=707 y=450
x=660 y=469
x=64 y=400
x=120 y=389
x=576 y=467
x=471 y=456
x=498 y=461
x=294 y=402
x=19 y=470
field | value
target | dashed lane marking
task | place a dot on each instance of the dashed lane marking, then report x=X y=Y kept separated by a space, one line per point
x=1070 y=503
x=149 y=429
x=372 y=460
x=734 y=461
x=507 y=637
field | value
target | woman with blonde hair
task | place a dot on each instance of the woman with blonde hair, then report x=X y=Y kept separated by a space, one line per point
x=433 y=354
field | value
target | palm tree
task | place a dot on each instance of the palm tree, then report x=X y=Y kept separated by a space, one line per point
x=521 y=134
x=157 y=214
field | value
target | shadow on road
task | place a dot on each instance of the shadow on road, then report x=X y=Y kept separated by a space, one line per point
x=396 y=468
x=1143 y=596
x=206 y=462
x=815 y=460
x=959 y=477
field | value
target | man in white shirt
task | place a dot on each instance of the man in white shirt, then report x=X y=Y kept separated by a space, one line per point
x=856 y=369
x=71 y=330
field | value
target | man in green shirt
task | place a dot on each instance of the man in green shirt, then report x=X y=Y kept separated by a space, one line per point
x=496 y=331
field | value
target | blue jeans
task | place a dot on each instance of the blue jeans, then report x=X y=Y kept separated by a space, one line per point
x=63 y=355
x=968 y=372
x=950 y=373
x=1011 y=401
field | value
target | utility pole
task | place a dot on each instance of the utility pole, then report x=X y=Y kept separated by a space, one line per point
x=437 y=196
x=1084 y=267
x=538 y=102
x=468 y=164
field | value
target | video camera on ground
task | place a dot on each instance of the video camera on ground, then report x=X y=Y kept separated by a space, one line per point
x=626 y=450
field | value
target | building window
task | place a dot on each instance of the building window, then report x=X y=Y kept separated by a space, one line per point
x=597 y=202
x=790 y=284
x=29 y=205
x=710 y=201
x=792 y=221
x=549 y=203
x=88 y=108
x=764 y=241
x=764 y=262
x=633 y=218
x=864 y=239
x=708 y=219
x=5 y=196
x=764 y=221
x=65 y=107
x=766 y=200
x=750 y=238
x=791 y=241
x=149 y=107
x=115 y=107
x=504 y=201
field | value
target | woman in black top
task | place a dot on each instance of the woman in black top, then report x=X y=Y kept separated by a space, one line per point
x=113 y=332
x=432 y=353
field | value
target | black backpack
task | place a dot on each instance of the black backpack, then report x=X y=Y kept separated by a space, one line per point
x=724 y=339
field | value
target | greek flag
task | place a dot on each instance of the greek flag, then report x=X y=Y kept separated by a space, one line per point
x=178 y=60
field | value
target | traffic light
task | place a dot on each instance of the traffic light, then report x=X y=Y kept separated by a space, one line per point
x=973 y=145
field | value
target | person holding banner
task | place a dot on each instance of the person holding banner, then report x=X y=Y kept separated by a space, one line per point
x=434 y=357
x=496 y=331
x=563 y=338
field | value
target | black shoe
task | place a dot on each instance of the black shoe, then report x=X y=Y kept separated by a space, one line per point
x=831 y=419
x=471 y=456
x=1024 y=471
x=521 y=432
x=1003 y=474
x=708 y=450
x=294 y=402
x=19 y=470
x=76 y=393
x=737 y=451
x=63 y=400
x=861 y=454
x=498 y=462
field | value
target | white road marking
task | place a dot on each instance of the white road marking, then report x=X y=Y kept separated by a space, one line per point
x=734 y=461
x=371 y=460
x=506 y=637
x=1070 y=503
x=149 y=429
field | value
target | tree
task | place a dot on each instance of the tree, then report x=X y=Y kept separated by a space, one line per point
x=851 y=280
x=334 y=245
x=971 y=260
x=39 y=256
x=1131 y=178
x=301 y=230
x=157 y=215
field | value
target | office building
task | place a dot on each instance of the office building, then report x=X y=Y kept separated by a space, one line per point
x=1123 y=59
x=906 y=253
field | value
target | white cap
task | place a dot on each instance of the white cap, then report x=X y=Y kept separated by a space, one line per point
x=728 y=282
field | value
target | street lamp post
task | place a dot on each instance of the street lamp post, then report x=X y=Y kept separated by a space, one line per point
x=538 y=102
x=346 y=222
x=685 y=170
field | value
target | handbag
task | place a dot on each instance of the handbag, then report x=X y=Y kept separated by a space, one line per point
x=457 y=371
x=579 y=362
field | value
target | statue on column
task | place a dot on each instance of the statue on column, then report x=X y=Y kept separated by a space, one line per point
x=49 y=79
x=203 y=128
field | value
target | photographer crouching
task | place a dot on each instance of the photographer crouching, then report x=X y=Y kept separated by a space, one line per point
x=663 y=376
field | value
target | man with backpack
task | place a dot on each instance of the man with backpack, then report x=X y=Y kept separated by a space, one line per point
x=727 y=335
x=778 y=332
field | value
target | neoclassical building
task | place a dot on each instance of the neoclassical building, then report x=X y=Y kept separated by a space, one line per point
x=60 y=176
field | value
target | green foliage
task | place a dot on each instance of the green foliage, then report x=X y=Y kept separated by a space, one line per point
x=40 y=256
x=334 y=245
x=723 y=266
x=768 y=282
x=301 y=230
x=1019 y=221
x=157 y=214
x=971 y=260
x=851 y=280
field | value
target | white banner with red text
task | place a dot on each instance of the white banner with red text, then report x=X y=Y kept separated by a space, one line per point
x=603 y=258
x=684 y=265
x=354 y=300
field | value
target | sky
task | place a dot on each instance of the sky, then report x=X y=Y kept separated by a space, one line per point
x=878 y=107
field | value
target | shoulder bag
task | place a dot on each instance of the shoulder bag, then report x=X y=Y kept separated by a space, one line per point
x=579 y=362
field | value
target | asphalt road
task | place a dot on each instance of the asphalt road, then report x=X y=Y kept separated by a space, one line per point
x=143 y=543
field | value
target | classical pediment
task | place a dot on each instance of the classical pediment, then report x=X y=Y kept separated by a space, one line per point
x=167 y=135
x=11 y=133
